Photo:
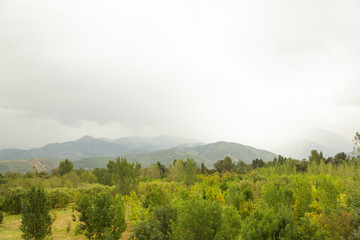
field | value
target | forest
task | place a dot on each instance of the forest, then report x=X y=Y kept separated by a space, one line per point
x=314 y=198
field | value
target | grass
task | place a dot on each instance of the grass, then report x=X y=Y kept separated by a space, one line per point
x=10 y=227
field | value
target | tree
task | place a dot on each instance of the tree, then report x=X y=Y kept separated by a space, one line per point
x=13 y=198
x=241 y=167
x=225 y=165
x=190 y=171
x=356 y=141
x=103 y=175
x=125 y=175
x=1 y=216
x=198 y=219
x=36 y=219
x=230 y=227
x=101 y=218
x=157 y=226
x=257 y=163
x=177 y=171
x=65 y=167
x=315 y=156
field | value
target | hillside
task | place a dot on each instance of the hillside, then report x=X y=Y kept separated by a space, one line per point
x=88 y=146
x=89 y=152
x=26 y=165
x=207 y=154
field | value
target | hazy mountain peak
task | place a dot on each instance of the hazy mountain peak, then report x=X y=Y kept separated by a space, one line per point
x=85 y=138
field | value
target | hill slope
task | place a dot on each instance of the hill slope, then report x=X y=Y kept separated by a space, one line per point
x=207 y=154
x=94 y=147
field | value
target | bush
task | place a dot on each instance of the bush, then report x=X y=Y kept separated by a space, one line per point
x=103 y=217
x=92 y=189
x=59 y=198
x=155 y=196
x=198 y=219
x=12 y=202
x=158 y=226
x=36 y=219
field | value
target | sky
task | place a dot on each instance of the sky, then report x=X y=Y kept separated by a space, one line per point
x=253 y=72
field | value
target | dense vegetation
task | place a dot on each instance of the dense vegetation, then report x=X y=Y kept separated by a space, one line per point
x=315 y=198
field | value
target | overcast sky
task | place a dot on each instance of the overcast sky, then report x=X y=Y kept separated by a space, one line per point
x=254 y=72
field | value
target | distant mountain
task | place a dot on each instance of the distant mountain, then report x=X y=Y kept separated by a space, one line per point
x=207 y=154
x=84 y=147
x=88 y=152
x=316 y=138
x=150 y=144
x=88 y=146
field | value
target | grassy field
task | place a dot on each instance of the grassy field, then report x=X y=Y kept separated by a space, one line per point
x=10 y=228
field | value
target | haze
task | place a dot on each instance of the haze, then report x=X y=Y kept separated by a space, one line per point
x=253 y=72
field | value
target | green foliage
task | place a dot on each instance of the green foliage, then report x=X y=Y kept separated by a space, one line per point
x=101 y=218
x=1 y=216
x=65 y=167
x=277 y=194
x=225 y=165
x=197 y=219
x=190 y=172
x=103 y=176
x=155 y=196
x=257 y=163
x=356 y=141
x=36 y=219
x=231 y=224
x=12 y=202
x=88 y=177
x=181 y=171
x=177 y=171
x=315 y=156
x=158 y=226
x=269 y=224
x=125 y=175
x=153 y=172
x=59 y=198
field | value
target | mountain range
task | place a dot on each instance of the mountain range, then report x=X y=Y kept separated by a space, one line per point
x=316 y=138
x=88 y=152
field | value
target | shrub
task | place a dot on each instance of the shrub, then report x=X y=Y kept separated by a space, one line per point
x=36 y=219
x=198 y=219
x=103 y=217
x=59 y=198
x=12 y=202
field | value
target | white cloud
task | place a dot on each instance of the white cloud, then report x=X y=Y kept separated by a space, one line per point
x=249 y=71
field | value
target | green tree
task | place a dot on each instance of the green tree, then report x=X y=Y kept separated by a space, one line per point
x=356 y=141
x=12 y=202
x=225 y=165
x=65 y=167
x=231 y=223
x=257 y=163
x=101 y=218
x=190 y=171
x=315 y=156
x=268 y=224
x=198 y=219
x=103 y=175
x=125 y=175
x=177 y=171
x=157 y=226
x=36 y=219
